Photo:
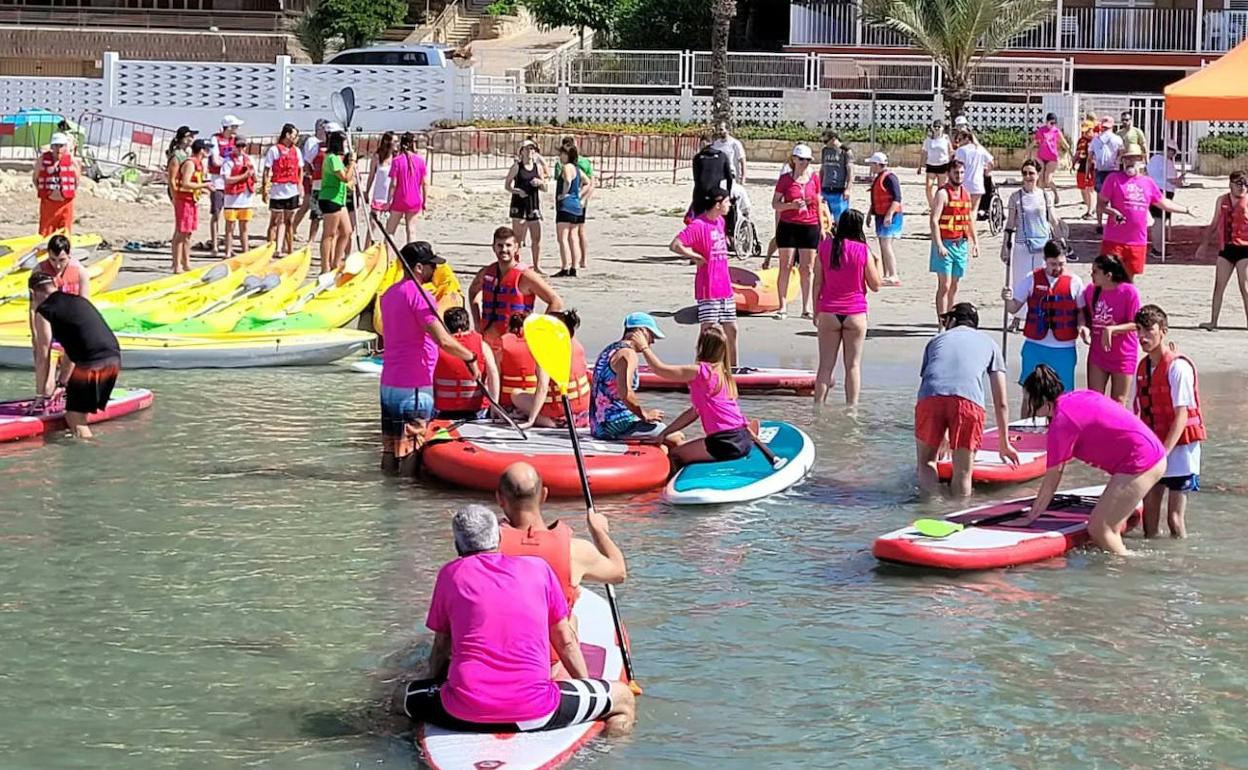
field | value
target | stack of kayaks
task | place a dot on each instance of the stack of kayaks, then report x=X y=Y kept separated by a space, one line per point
x=475 y=454
x=1028 y=438
x=16 y=263
x=750 y=477
x=15 y=307
x=749 y=379
x=449 y=750
x=16 y=424
x=756 y=291
x=349 y=296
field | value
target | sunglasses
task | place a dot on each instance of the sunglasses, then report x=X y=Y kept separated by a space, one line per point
x=1239 y=183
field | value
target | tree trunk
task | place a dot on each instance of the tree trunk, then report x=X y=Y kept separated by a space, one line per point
x=721 y=102
x=957 y=92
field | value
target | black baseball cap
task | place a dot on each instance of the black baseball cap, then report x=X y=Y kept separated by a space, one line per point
x=200 y=145
x=38 y=279
x=420 y=253
x=962 y=314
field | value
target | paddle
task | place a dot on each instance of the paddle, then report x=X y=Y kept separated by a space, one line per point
x=343 y=105
x=550 y=342
x=776 y=462
x=939 y=528
x=1005 y=311
x=434 y=309
x=353 y=265
x=250 y=288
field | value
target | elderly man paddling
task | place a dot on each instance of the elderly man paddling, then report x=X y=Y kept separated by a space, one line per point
x=496 y=619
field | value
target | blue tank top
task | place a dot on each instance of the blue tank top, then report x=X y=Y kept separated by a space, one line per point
x=608 y=415
x=572 y=203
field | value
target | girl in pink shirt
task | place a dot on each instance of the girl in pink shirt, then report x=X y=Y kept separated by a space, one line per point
x=703 y=242
x=1111 y=302
x=1049 y=143
x=1086 y=425
x=846 y=270
x=409 y=186
x=714 y=396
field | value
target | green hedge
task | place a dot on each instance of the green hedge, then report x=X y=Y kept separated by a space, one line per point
x=1226 y=145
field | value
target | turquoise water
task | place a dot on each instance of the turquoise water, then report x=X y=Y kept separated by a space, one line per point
x=224 y=581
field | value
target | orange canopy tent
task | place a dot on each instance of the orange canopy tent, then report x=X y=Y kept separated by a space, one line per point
x=1217 y=92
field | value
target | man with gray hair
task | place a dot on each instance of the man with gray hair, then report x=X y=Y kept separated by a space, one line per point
x=495 y=619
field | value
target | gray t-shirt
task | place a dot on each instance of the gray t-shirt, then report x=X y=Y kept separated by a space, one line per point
x=955 y=362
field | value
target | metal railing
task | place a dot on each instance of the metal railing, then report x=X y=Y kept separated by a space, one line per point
x=1223 y=30
x=631 y=69
x=1131 y=29
x=754 y=71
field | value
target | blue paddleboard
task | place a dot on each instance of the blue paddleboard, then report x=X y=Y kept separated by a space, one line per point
x=749 y=477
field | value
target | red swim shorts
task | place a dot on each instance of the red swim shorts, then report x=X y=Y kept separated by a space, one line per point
x=1132 y=255
x=963 y=420
x=56 y=215
x=186 y=214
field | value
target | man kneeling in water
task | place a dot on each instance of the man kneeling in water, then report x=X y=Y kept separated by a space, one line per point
x=495 y=620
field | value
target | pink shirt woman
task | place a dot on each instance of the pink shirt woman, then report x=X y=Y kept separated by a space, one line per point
x=1108 y=308
x=843 y=289
x=407 y=174
x=1047 y=140
x=1097 y=430
x=793 y=190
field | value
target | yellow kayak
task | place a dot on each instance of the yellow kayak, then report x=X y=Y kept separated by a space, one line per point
x=15 y=308
x=13 y=249
x=192 y=300
x=330 y=307
x=288 y=273
x=161 y=287
x=444 y=287
x=15 y=276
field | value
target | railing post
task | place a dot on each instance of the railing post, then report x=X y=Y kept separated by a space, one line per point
x=857 y=23
x=1057 y=27
x=110 y=79
x=1200 y=26
x=283 y=84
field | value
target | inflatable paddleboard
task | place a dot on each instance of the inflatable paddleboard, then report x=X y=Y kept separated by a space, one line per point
x=756 y=291
x=1028 y=438
x=15 y=424
x=749 y=379
x=448 y=750
x=992 y=545
x=475 y=454
x=370 y=365
x=748 y=478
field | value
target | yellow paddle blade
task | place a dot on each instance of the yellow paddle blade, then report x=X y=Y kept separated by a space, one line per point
x=551 y=345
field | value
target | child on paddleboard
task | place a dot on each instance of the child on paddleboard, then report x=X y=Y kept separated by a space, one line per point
x=1167 y=399
x=714 y=395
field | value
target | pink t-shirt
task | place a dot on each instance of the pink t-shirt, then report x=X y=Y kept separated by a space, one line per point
x=706 y=237
x=792 y=191
x=717 y=410
x=1131 y=195
x=1047 y=140
x=498 y=611
x=1112 y=307
x=1096 y=429
x=844 y=290
x=407 y=171
x=411 y=352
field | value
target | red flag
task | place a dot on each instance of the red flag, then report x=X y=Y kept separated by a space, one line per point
x=142 y=137
x=8 y=129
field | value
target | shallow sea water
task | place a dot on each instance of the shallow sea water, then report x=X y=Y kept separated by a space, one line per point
x=225 y=581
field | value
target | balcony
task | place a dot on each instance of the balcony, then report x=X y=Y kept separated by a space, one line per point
x=1098 y=29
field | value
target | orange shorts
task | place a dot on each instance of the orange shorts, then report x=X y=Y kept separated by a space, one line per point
x=56 y=215
x=961 y=419
x=238 y=215
x=1132 y=255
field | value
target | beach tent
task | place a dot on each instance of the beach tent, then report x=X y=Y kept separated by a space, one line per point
x=1216 y=92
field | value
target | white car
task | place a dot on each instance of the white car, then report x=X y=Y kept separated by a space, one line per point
x=392 y=55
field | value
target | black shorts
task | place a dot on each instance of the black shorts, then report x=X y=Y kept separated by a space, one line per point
x=729 y=444
x=581 y=701
x=284 y=204
x=329 y=207
x=568 y=218
x=1233 y=254
x=1156 y=212
x=526 y=207
x=314 y=205
x=791 y=235
x=90 y=387
x=943 y=168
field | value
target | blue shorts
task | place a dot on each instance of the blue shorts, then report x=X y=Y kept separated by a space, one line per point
x=620 y=430
x=1101 y=176
x=889 y=232
x=955 y=263
x=838 y=203
x=401 y=407
x=1188 y=483
x=1061 y=360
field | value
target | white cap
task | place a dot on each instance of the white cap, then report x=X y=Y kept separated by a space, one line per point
x=961 y=121
x=333 y=126
x=59 y=138
x=878 y=159
x=231 y=121
x=802 y=151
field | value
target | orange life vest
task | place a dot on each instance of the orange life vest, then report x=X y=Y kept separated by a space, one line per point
x=516 y=369
x=288 y=168
x=69 y=280
x=881 y=200
x=955 y=218
x=500 y=297
x=553 y=544
x=1051 y=309
x=197 y=176
x=578 y=390
x=454 y=385
x=242 y=162
x=318 y=163
x=57 y=174
x=1155 y=405
x=1234 y=220
x=225 y=148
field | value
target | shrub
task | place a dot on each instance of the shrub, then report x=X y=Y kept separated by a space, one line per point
x=1226 y=145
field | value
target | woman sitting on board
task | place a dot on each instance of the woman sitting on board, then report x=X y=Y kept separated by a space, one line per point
x=714 y=396
x=542 y=406
x=1089 y=426
x=845 y=271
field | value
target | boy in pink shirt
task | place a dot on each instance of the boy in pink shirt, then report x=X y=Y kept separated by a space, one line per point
x=1088 y=426
x=703 y=242
x=1126 y=196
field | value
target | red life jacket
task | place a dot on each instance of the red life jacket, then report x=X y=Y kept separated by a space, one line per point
x=454 y=385
x=318 y=163
x=198 y=176
x=242 y=162
x=1234 y=220
x=501 y=297
x=552 y=544
x=1155 y=404
x=225 y=148
x=516 y=369
x=955 y=218
x=881 y=200
x=1051 y=309
x=57 y=175
x=578 y=390
x=288 y=168
x=69 y=280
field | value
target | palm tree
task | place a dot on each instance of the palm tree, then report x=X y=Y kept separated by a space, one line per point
x=722 y=12
x=958 y=33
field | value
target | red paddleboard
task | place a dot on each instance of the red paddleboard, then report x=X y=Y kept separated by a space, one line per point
x=475 y=454
x=15 y=424
x=1028 y=438
x=749 y=379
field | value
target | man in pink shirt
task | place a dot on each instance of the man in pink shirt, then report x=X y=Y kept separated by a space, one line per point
x=495 y=619
x=704 y=243
x=1126 y=196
